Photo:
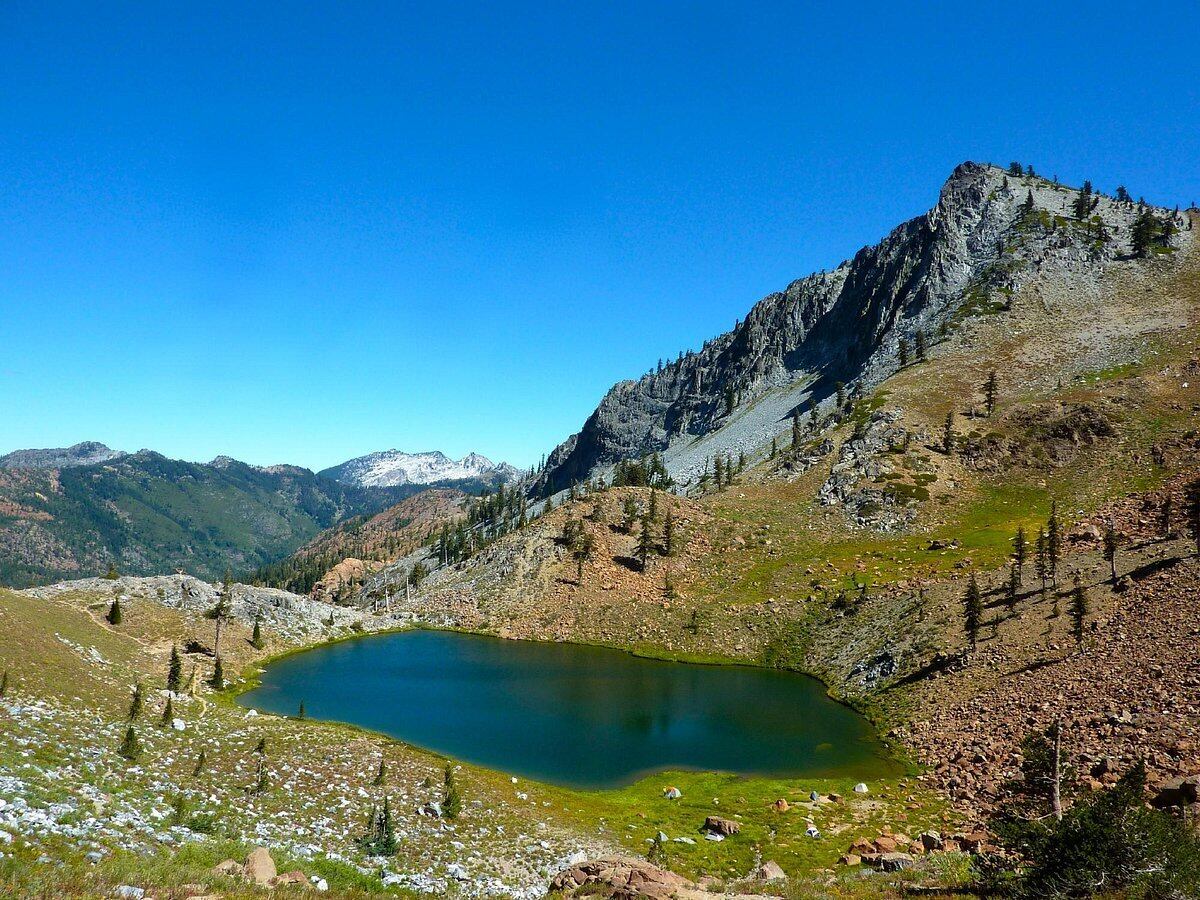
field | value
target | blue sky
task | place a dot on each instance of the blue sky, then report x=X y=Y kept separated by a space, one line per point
x=302 y=232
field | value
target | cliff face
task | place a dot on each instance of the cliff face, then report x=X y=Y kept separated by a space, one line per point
x=964 y=256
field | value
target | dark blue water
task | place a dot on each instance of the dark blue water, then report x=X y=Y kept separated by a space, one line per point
x=570 y=714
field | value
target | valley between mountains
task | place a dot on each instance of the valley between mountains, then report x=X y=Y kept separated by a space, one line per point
x=956 y=477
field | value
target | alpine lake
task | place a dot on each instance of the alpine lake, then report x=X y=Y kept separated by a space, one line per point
x=574 y=715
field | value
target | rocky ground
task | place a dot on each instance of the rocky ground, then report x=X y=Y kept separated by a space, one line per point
x=77 y=816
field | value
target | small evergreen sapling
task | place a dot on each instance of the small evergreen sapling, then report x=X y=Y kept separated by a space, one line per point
x=114 y=612
x=136 y=701
x=174 y=671
x=131 y=747
x=201 y=761
x=1041 y=560
x=256 y=638
x=380 y=774
x=990 y=392
x=1110 y=550
x=451 y=798
x=218 y=676
x=168 y=712
x=973 y=611
x=1014 y=588
x=1020 y=554
x=4 y=683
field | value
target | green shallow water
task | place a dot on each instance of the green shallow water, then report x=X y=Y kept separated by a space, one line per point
x=574 y=715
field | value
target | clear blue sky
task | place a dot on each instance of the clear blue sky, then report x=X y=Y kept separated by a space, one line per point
x=302 y=232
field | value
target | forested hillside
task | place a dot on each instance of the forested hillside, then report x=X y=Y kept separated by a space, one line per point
x=146 y=514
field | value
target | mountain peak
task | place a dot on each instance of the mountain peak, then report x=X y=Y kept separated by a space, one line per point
x=389 y=468
x=85 y=453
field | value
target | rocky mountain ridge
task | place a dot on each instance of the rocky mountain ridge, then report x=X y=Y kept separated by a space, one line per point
x=990 y=232
x=86 y=453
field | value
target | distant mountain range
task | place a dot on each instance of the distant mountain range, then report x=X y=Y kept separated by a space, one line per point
x=73 y=512
x=393 y=468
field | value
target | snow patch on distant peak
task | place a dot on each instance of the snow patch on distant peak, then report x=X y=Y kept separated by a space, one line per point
x=389 y=468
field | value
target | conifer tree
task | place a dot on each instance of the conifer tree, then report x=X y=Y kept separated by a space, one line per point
x=1082 y=204
x=201 y=761
x=301 y=712
x=812 y=416
x=451 y=798
x=1053 y=543
x=1020 y=553
x=653 y=513
x=668 y=536
x=219 y=614
x=4 y=683
x=583 y=545
x=840 y=391
x=903 y=352
x=973 y=610
x=136 y=701
x=174 y=671
x=256 y=639
x=262 y=784
x=1079 y=610
x=131 y=747
x=1041 y=560
x=668 y=585
x=385 y=836
x=114 y=612
x=990 y=388
x=645 y=541
x=719 y=472
x=218 y=676
x=168 y=712
x=655 y=854
x=629 y=513
x=112 y=574
x=1110 y=550
x=1014 y=588
x=948 y=434
x=380 y=774
x=1145 y=229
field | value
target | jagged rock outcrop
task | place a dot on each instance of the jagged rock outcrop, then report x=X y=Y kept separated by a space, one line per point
x=967 y=255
